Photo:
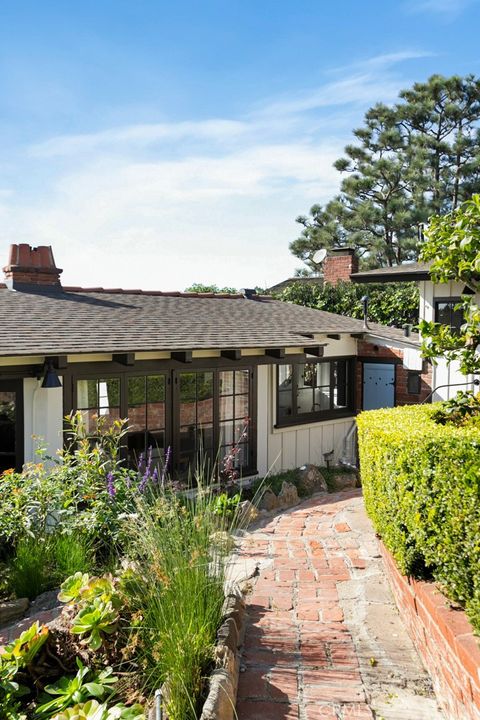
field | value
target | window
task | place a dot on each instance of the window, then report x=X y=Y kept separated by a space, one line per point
x=446 y=314
x=146 y=416
x=196 y=437
x=197 y=413
x=313 y=391
x=98 y=398
x=414 y=383
x=234 y=408
x=11 y=425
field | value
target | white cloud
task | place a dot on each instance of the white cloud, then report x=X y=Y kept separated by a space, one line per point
x=446 y=9
x=167 y=204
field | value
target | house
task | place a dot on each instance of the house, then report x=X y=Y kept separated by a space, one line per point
x=437 y=303
x=188 y=368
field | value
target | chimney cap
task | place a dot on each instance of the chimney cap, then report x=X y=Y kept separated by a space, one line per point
x=29 y=267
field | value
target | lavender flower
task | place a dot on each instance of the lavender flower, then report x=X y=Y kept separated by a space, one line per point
x=111 y=489
x=163 y=476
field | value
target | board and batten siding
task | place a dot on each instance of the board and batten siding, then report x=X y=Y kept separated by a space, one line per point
x=43 y=419
x=446 y=377
x=290 y=447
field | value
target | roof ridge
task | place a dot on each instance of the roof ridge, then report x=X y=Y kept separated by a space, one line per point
x=138 y=291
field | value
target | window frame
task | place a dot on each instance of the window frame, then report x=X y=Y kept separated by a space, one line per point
x=172 y=371
x=16 y=386
x=319 y=415
x=453 y=300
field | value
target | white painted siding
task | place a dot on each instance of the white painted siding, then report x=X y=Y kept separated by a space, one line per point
x=443 y=373
x=287 y=448
x=43 y=418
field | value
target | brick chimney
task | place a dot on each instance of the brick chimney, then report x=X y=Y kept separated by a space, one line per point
x=28 y=266
x=339 y=265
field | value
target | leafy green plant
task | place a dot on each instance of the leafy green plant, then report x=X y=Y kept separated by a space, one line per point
x=23 y=650
x=453 y=247
x=456 y=410
x=92 y=710
x=225 y=505
x=394 y=304
x=71 y=588
x=421 y=484
x=77 y=689
x=97 y=619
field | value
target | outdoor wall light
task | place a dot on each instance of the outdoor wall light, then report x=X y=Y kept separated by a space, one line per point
x=50 y=379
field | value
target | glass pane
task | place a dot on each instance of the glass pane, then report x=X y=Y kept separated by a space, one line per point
x=241 y=459
x=340 y=374
x=285 y=374
x=204 y=385
x=241 y=381
x=156 y=416
x=136 y=391
x=108 y=393
x=226 y=433
x=307 y=376
x=156 y=388
x=443 y=313
x=284 y=404
x=137 y=418
x=241 y=406
x=187 y=387
x=323 y=374
x=90 y=418
x=136 y=446
x=226 y=382
x=156 y=440
x=187 y=439
x=321 y=399
x=87 y=394
x=188 y=414
x=205 y=438
x=109 y=415
x=7 y=428
x=305 y=400
x=226 y=407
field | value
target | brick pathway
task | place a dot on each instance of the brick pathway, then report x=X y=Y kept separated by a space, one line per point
x=299 y=659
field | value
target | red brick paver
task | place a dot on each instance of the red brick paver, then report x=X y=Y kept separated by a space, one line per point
x=299 y=660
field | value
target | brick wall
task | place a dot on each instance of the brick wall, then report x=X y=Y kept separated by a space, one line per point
x=339 y=265
x=444 y=639
x=369 y=352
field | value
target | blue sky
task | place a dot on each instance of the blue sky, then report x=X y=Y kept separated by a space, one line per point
x=155 y=144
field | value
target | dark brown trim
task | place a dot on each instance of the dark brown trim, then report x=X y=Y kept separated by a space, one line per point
x=319 y=416
x=127 y=359
x=278 y=353
x=387 y=277
x=231 y=354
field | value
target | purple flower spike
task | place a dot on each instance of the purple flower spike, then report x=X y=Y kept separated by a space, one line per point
x=111 y=489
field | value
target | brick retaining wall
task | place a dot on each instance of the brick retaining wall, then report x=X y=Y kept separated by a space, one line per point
x=444 y=639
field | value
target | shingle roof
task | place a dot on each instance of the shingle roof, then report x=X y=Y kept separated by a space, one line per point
x=92 y=321
x=397 y=273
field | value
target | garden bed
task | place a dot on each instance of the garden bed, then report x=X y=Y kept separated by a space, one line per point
x=142 y=572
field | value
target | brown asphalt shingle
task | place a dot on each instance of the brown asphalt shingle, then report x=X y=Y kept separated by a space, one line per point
x=69 y=322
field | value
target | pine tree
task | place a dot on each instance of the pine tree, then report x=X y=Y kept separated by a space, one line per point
x=415 y=159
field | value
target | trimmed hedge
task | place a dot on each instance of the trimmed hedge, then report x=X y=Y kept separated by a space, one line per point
x=421 y=484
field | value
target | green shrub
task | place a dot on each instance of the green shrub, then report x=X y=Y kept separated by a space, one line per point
x=30 y=569
x=421 y=483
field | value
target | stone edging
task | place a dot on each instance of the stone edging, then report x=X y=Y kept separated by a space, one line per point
x=220 y=702
x=444 y=639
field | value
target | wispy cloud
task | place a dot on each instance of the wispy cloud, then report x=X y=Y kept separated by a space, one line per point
x=446 y=9
x=222 y=193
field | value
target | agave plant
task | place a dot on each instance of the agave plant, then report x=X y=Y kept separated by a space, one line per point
x=77 y=689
